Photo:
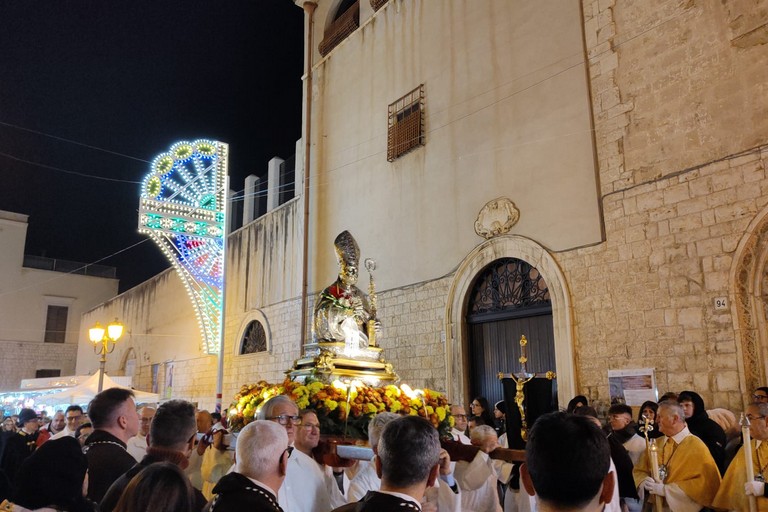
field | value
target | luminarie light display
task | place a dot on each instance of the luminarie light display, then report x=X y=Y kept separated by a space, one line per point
x=183 y=209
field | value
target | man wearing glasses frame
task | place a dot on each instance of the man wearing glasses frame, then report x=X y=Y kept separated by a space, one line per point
x=74 y=418
x=735 y=490
x=262 y=458
x=308 y=487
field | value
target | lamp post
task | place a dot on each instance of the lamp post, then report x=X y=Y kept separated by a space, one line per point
x=104 y=341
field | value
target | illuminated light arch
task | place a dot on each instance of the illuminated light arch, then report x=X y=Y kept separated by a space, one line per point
x=183 y=209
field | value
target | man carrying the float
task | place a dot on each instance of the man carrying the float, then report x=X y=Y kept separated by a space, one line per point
x=688 y=476
x=735 y=489
x=342 y=311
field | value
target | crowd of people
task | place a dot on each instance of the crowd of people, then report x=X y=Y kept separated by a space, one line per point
x=115 y=458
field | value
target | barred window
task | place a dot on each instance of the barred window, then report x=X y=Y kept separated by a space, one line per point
x=254 y=340
x=346 y=21
x=406 y=124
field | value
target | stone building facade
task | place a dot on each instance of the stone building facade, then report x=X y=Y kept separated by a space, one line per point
x=631 y=136
x=41 y=303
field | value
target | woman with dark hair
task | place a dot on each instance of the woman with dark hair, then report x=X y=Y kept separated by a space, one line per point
x=159 y=486
x=576 y=402
x=480 y=407
x=54 y=476
x=648 y=410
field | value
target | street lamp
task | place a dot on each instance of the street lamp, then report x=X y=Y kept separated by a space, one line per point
x=104 y=343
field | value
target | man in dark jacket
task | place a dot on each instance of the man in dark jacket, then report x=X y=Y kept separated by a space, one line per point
x=21 y=445
x=700 y=425
x=171 y=438
x=262 y=458
x=115 y=421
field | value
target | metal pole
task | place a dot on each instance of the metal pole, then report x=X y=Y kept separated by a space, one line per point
x=102 y=363
x=220 y=375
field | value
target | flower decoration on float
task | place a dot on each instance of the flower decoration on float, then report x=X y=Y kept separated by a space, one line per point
x=343 y=408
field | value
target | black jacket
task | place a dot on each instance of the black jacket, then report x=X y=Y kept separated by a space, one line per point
x=17 y=448
x=379 y=502
x=107 y=461
x=116 y=489
x=236 y=493
x=706 y=429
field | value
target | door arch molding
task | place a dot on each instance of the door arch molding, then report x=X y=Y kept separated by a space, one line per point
x=748 y=305
x=511 y=246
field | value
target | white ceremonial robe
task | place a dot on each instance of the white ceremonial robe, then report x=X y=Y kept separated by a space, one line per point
x=635 y=447
x=137 y=447
x=307 y=486
x=366 y=480
x=485 y=497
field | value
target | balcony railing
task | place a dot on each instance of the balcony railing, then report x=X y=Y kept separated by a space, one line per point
x=69 y=267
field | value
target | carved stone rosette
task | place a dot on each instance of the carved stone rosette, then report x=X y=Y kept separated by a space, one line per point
x=496 y=218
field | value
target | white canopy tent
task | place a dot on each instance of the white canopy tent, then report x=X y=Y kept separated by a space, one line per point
x=84 y=393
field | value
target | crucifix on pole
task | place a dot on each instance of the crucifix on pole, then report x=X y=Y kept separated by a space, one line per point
x=521 y=379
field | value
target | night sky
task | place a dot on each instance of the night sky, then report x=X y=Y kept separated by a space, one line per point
x=128 y=79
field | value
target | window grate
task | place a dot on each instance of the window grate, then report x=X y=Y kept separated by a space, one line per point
x=254 y=339
x=405 y=131
x=509 y=283
x=340 y=29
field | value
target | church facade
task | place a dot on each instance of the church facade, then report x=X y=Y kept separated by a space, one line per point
x=588 y=174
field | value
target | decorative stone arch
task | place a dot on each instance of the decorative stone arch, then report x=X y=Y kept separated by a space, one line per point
x=522 y=248
x=749 y=287
x=251 y=316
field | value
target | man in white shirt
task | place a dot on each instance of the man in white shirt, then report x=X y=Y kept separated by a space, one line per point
x=460 y=424
x=293 y=495
x=137 y=445
x=308 y=485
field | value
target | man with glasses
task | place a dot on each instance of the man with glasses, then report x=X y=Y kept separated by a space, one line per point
x=282 y=410
x=459 y=430
x=74 y=418
x=309 y=486
x=137 y=445
x=735 y=489
x=760 y=395
x=262 y=452
x=302 y=490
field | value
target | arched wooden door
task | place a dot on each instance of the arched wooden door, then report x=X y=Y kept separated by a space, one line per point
x=509 y=299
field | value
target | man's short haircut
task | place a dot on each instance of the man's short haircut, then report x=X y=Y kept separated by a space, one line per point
x=672 y=406
x=763 y=389
x=376 y=426
x=216 y=417
x=103 y=407
x=173 y=424
x=620 y=409
x=482 y=432
x=260 y=445
x=409 y=448
x=74 y=408
x=567 y=457
x=271 y=405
